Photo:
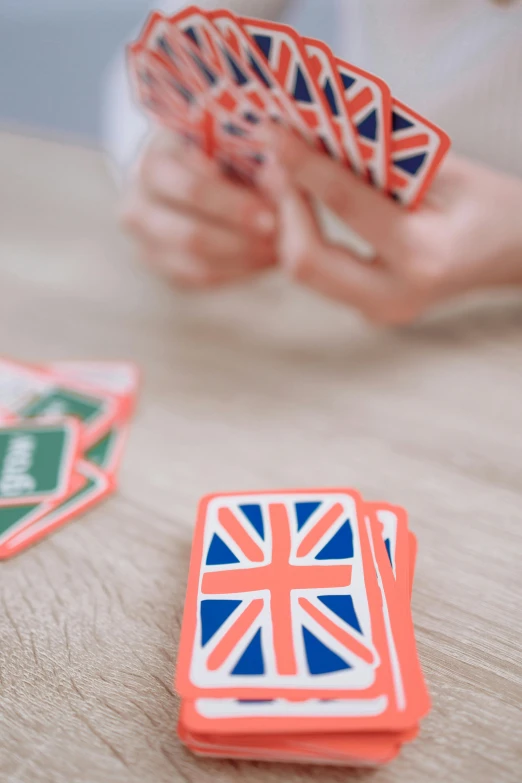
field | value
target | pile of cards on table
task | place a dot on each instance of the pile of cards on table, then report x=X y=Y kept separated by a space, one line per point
x=297 y=641
x=62 y=431
x=216 y=79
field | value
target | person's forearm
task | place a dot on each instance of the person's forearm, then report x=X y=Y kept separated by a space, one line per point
x=124 y=125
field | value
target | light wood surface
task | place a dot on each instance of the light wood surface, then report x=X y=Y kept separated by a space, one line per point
x=262 y=386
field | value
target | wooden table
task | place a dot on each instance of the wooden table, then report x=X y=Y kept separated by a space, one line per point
x=262 y=386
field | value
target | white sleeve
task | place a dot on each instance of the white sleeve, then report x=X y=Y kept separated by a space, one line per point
x=124 y=125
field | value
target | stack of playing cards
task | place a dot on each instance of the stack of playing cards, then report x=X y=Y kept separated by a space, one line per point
x=62 y=431
x=215 y=79
x=297 y=641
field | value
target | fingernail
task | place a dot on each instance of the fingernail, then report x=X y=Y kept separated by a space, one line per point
x=264 y=222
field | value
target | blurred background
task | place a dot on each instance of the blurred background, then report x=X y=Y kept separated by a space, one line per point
x=54 y=55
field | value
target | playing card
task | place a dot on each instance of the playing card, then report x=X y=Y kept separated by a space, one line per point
x=161 y=37
x=279 y=749
x=418 y=148
x=323 y=67
x=232 y=127
x=410 y=688
x=372 y=747
x=375 y=747
x=28 y=392
x=215 y=79
x=90 y=486
x=52 y=417
x=14 y=518
x=115 y=377
x=248 y=55
x=355 y=750
x=107 y=453
x=36 y=460
x=225 y=61
x=286 y=56
x=167 y=97
x=250 y=716
x=119 y=379
x=226 y=84
x=392 y=524
x=319 y=730
x=324 y=641
x=368 y=103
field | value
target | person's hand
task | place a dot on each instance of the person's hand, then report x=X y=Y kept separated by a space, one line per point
x=192 y=223
x=467 y=234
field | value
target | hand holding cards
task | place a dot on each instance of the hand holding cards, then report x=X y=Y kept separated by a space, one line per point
x=215 y=80
x=62 y=431
x=297 y=640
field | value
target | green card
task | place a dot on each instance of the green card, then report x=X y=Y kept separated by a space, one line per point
x=61 y=402
x=36 y=461
x=101 y=452
x=94 y=486
x=107 y=452
x=14 y=517
x=93 y=483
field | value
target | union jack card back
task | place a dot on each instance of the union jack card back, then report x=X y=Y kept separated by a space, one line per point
x=283 y=601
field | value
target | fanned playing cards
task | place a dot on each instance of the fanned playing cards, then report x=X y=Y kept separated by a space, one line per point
x=215 y=79
x=63 y=427
x=297 y=641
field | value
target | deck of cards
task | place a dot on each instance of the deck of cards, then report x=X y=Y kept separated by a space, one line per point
x=297 y=641
x=215 y=79
x=62 y=432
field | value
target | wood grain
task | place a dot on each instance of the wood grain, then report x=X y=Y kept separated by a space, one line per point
x=262 y=386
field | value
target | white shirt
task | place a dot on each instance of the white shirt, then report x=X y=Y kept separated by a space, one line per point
x=458 y=62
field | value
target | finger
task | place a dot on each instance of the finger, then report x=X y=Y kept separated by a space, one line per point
x=172 y=231
x=376 y=218
x=194 y=187
x=186 y=271
x=332 y=272
x=165 y=144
